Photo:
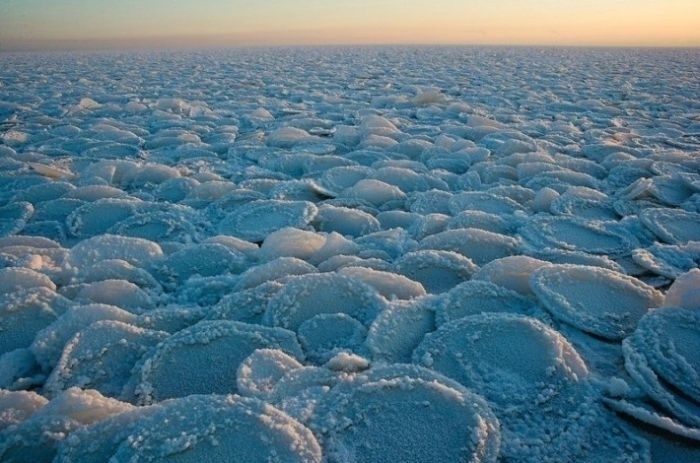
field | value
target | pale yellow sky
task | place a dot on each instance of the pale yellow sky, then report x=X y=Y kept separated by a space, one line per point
x=47 y=23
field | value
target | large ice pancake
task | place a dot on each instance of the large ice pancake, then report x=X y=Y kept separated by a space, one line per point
x=374 y=192
x=480 y=246
x=577 y=234
x=13 y=279
x=245 y=305
x=650 y=416
x=117 y=292
x=513 y=360
x=25 y=312
x=291 y=242
x=438 y=271
x=306 y=296
x=398 y=329
x=389 y=284
x=43 y=192
x=483 y=201
x=344 y=220
x=203 y=259
x=599 y=301
x=669 y=260
x=261 y=370
x=326 y=334
x=255 y=220
x=194 y=429
x=684 y=291
x=673 y=226
x=341 y=177
x=204 y=358
x=663 y=357
x=405 y=413
x=277 y=269
x=101 y=357
x=136 y=251
x=498 y=223
x=18 y=406
x=48 y=343
x=512 y=272
x=37 y=438
x=97 y=217
x=430 y=202
x=536 y=384
x=480 y=296
x=176 y=224
x=14 y=216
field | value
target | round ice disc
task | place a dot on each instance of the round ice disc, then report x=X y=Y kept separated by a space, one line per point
x=218 y=428
x=514 y=361
x=409 y=419
x=255 y=220
x=478 y=296
x=14 y=216
x=483 y=201
x=593 y=299
x=95 y=218
x=101 y=357
x=437 y=271
x=674 y=351
x=305 y=296
x=576 y=234
x=204 y=358
x=663 y=356
x=673 y=226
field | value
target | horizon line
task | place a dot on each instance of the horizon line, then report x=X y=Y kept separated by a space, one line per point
x=213 y=42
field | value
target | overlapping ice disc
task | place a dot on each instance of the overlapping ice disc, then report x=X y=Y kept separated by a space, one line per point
x=193 y=429
x=663 y=356
x=596 y=300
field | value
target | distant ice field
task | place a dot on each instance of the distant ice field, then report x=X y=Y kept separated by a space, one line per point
x=444 y=254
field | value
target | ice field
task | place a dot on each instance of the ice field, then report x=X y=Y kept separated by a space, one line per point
x=410 y=254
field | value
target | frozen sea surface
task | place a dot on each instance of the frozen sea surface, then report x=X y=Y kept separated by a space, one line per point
x=350 y=255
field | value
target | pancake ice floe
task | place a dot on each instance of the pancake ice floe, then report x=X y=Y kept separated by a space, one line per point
x=438 y=271
x=398 y=413
x=14 y=216
x=305 y=296
x=26 y=312
x=195 y=428
x=672 y=226
x=596 y=300
x=527 y=371
x=101 y=357
x=255 y=220
x=205 y=357
x=577 y=234
x=662 y=356
x=399 y=328
x=480 y=296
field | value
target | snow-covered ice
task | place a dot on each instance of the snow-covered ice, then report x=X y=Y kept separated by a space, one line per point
x=350 y=255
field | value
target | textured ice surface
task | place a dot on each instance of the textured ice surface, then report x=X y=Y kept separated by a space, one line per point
x=296 y=226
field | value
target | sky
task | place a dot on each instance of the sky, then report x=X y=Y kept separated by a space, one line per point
x=100 y=23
